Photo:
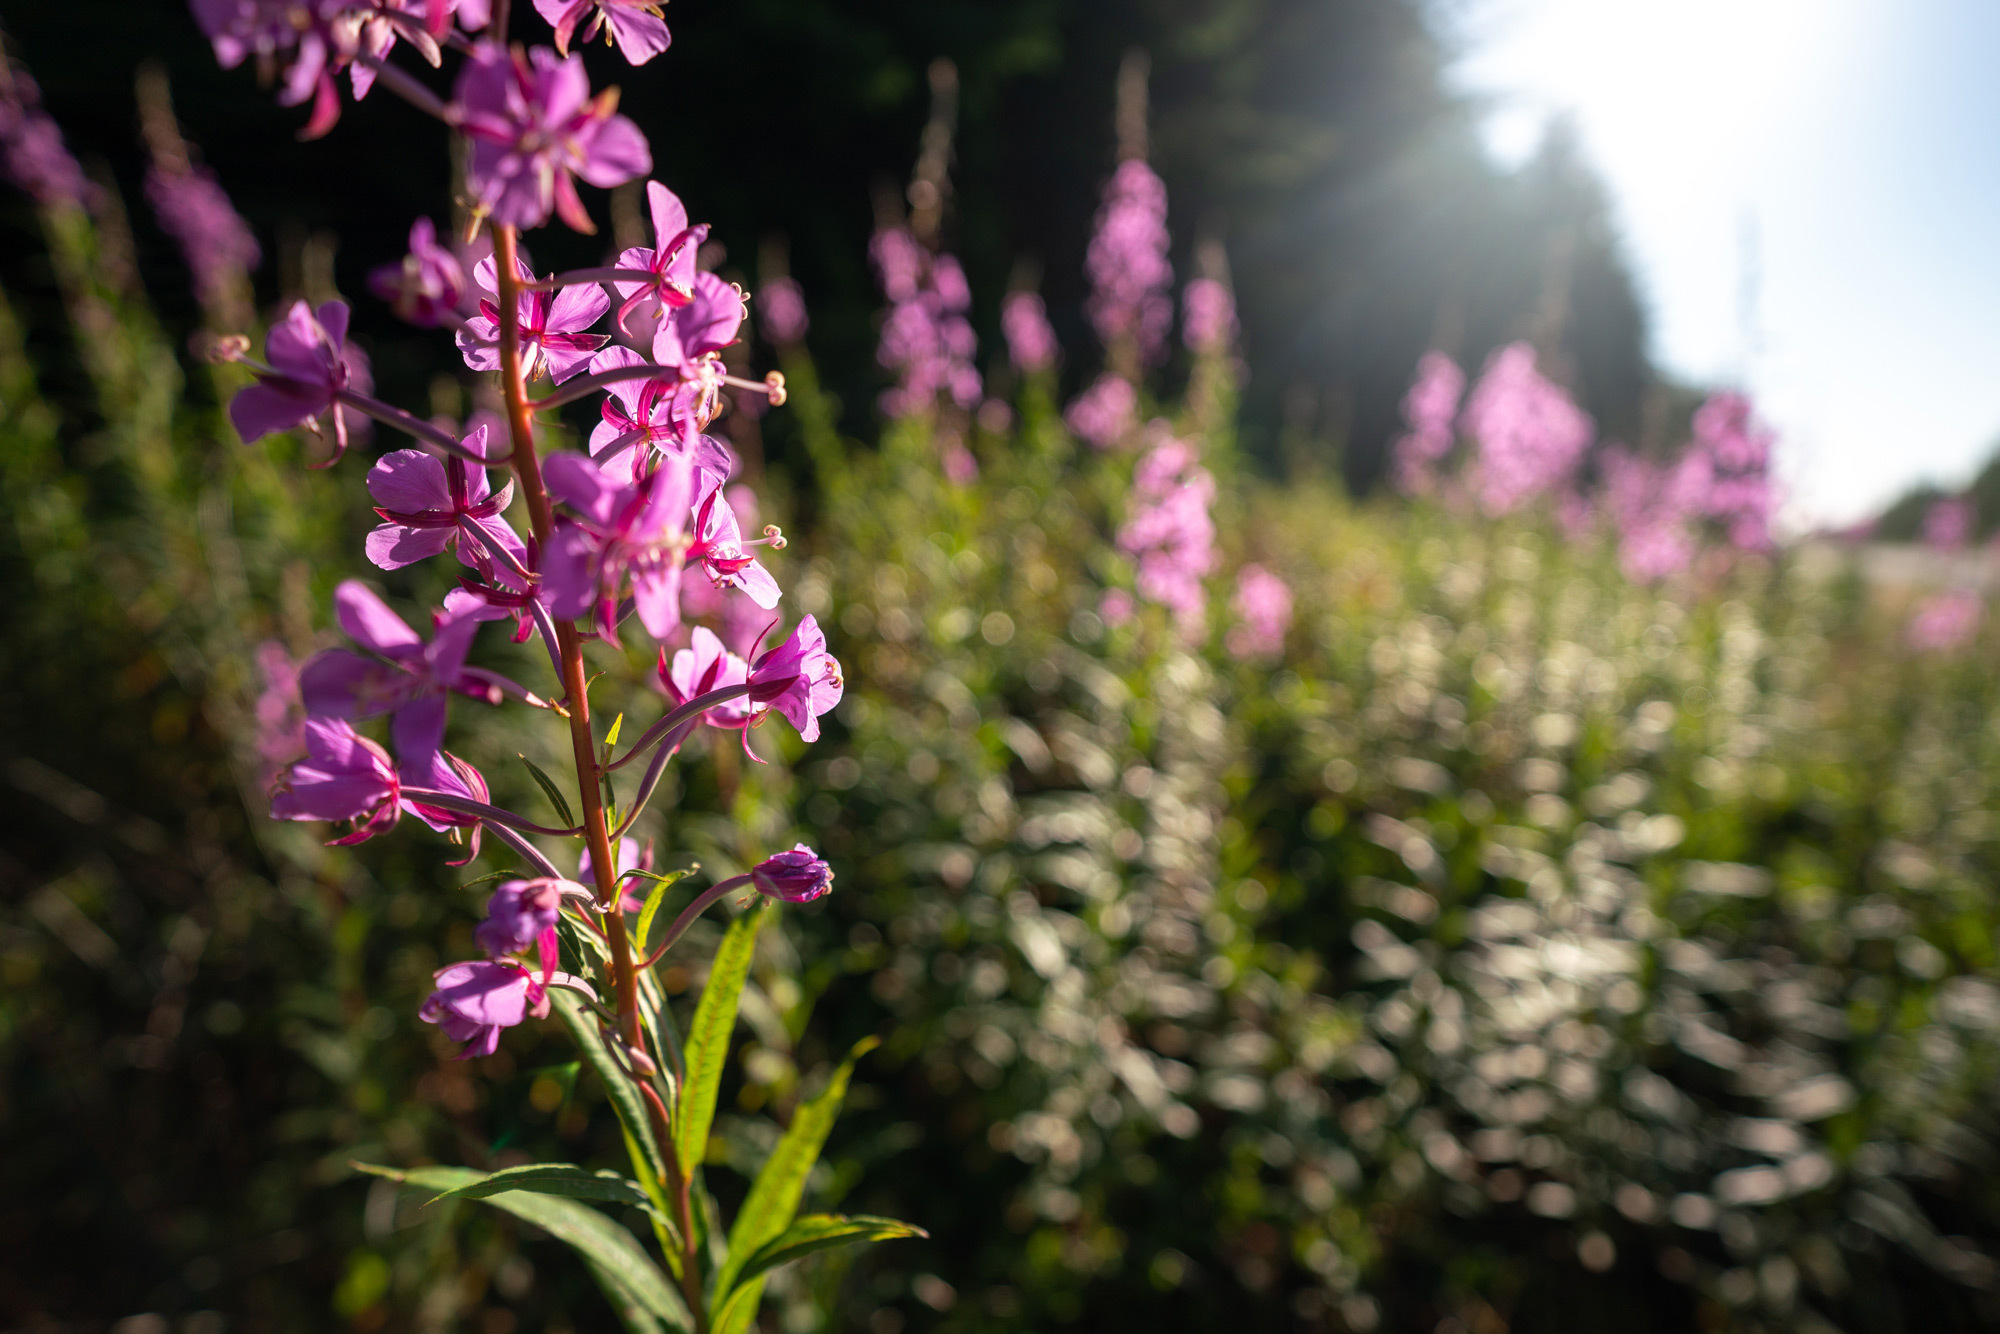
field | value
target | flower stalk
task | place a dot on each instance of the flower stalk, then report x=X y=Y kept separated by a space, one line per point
x=569 y=647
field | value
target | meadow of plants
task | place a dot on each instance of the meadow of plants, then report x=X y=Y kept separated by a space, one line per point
x=1539 y=899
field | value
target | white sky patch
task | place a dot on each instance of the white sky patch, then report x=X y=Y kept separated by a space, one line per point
x=1809 y=191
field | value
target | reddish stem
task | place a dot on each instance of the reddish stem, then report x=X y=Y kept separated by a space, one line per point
x=569 y=648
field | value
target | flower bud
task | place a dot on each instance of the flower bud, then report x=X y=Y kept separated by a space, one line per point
x=798 y=876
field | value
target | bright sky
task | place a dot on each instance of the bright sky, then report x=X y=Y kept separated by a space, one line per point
x=1835 y=161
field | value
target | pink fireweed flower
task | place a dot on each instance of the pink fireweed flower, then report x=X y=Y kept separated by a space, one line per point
x=310 y=364
x=1031 y=343
x=1737 y=452
x=1116 y=607
x=214 y=239
x=475 y=999
x=1946 y=621
x=1208 y=316
x=32 y=154
x=553 y=341
x=1264 y=602
x=1652 y=509
x=630 y=536
x=428 y=287
x=1127 y=262
x=344 y=776
x=400 y=675
x=639 y=420
x=704 y=666
x=635 y=27
x=444 y=772
x=781 y=311
x=1530 y=436
x=535 y=128
x=798 y=679
x=1169 y=533
x=691 y=335
x=1428 y=410
x=281 y=713
x=926 y=338
x=798 y=876
x=670 y=261
x=429 y=506
x=522 y=914
x=308 y=39
x=1948 y=523
x=1105 y=412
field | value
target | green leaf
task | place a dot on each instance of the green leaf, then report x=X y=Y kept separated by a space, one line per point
x=652 y=909
x=549 y=788
x=625 y=1098
x=708 y=1038
x=773 y=1201
x=557 y=1179
x=631 y=1281
x=823 y=1232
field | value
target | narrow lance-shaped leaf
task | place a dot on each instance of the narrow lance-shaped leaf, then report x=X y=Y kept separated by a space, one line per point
x=566 y=1179
x=550 y=790
x=820 y=1232
x=708 y=1037
x=774 y=1196
x=625 y=1097
x=635 y=1286
x=663 y=883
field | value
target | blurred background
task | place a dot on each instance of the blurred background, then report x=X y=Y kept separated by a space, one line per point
x=1573 y=908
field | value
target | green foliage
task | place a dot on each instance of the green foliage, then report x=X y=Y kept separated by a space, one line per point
x=637 y=1289
x=763 y=1224
x=709 y=1036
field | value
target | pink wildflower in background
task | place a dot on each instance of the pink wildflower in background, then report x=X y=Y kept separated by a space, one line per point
x=1264 y=604
x=1127 y=262
x=1208 y=316
x=31 y=147
x=1945 y=621
x=1529 y=435
x=1169 y=533
x=1736 y=450
x=1105 y=412
x=281 y=712
x=1948 y=523
x=213 y=237
x=926 y=338
x=781 y=311
x=1116 y=607
x=1652 y=508
x=1031 y=343
x=1428 y=409
x=428 y=287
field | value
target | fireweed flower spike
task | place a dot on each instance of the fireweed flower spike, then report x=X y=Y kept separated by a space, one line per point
x=1031 y=343
x=406 y=677
x=535 y=128
x=553 y=340
x=429 y=506
x=309 y=365
x=428 y=287
x=344 y=776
